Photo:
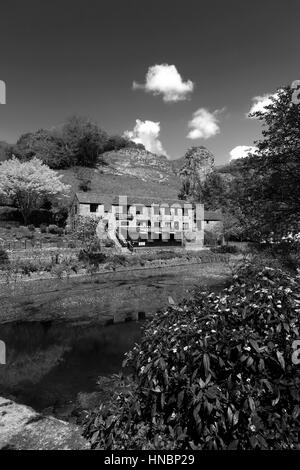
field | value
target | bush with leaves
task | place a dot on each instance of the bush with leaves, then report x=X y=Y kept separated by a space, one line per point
x=55 y=230
x=85 y=232
x=286 y=252
x=210 y=238
x=4 y=259
x=216 y=372
x=226 y=249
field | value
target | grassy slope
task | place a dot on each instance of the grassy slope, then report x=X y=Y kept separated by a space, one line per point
x=121 y=185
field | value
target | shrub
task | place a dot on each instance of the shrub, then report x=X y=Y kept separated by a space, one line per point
x=286 y=252
x=60 y=215
x=210 y=238
x=55 y=230
x=24 y=232
x=93 y=258
x=31 y=227
x=3 y=257
x=8 y=213
x=40 y=216
x=216 y=372
x=225 y=249
x=85 y=231
x=43 y=228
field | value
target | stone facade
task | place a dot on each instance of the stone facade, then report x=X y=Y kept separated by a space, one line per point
x=144 y=221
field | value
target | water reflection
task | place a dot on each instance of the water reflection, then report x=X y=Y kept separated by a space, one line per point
x=49 y=364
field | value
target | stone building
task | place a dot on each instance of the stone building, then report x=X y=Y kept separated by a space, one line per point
x=146 y=221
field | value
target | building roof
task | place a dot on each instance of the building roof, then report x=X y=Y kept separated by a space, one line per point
x=111 y=199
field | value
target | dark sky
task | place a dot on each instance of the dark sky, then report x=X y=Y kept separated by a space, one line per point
x=64 y=57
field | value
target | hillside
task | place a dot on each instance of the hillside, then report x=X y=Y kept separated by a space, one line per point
x=136 y=172
x=131 y=172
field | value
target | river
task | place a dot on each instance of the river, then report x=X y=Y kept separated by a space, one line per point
x=50 y=362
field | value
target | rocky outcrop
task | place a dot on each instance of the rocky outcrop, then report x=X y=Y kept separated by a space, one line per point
x=197 y=163
x=21 y=428
x=193 y=170
x=139 y=163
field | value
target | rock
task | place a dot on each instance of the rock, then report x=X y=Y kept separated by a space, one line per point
x=139 y=163
x=197 y=163
x=21 y=428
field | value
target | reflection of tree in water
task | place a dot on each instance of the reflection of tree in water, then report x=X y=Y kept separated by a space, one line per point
x=30 y=366
x=51 y=363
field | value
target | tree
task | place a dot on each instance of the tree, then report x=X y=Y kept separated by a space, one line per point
x=84 y=141
x=46 y=145
x=85 y=231
x=28 y=183
x=77 y=142
x=267 y=190
x=214 y=192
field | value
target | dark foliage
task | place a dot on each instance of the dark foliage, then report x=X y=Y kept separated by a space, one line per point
x=92 y=257
x=4 y=260
x=217 y=372
x=40 y=216
x=286 y=252
x=210 y=238
x=54 y=229
x=225 y=249
x=8 y=213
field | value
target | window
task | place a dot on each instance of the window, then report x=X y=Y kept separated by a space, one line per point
x=155 y=209
x=165 y=210
x=139 y=209
x=93 y=207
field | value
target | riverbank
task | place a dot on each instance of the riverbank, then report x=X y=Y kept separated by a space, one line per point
x=108 y=296
x=24 y=429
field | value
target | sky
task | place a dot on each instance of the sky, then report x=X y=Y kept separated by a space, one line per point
x=173 y=74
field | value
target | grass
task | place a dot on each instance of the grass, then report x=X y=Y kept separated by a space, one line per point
x=121 y=185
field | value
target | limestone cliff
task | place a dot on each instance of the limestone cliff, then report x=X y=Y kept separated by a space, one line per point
x=194 y=167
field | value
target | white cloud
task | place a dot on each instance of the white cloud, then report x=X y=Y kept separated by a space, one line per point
x=165 y=80
x=242 y=151
x=204 y=124
x=260 y=103
x=147 y=133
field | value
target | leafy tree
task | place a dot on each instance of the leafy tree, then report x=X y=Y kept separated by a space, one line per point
x=214 y=192
x=85 y=231
x=28 y=183
x=77 y=142
x=47 y=146
x=84 y=141
x=268 y=188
